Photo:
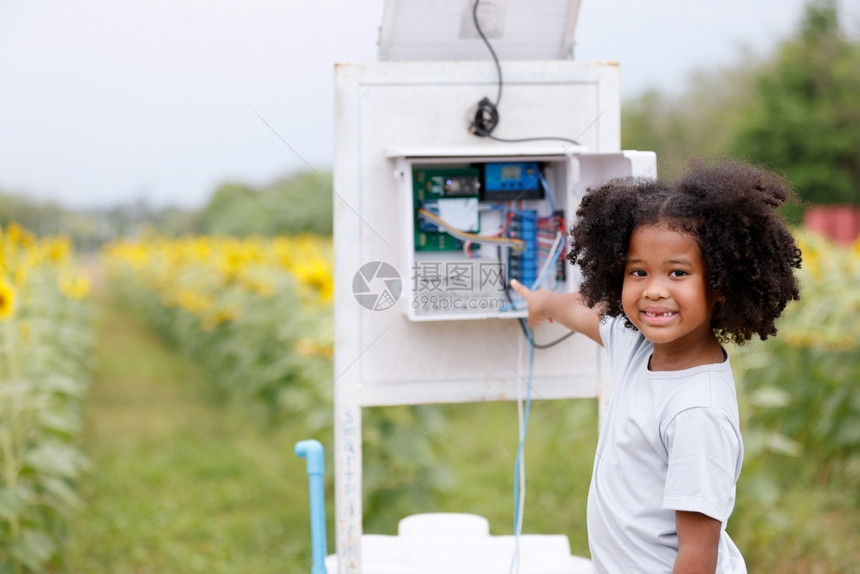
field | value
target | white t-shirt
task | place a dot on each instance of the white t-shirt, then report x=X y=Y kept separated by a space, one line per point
x=670 y=441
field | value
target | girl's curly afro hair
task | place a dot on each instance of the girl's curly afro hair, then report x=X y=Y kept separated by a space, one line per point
x=730 y=209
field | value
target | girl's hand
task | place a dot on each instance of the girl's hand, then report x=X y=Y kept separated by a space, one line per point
x=566 y=308
x=536 y=301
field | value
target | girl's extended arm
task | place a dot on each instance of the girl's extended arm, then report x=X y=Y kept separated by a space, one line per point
x=698 y=543
x=568 y=309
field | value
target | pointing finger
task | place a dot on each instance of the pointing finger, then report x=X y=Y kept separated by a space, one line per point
x=520 y=289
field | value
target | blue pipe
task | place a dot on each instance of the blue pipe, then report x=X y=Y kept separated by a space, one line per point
x=312 y=450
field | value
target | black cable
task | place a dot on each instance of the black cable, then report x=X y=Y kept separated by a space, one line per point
x=534 y=139
x=486 y=119
x=487 y=115
x=545 y=345
x=492 y=53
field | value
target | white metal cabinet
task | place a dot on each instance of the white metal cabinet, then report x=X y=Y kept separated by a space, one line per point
x=391 y=112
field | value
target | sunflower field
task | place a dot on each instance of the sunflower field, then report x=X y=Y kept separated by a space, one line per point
x=46 y=342
x=800 y=398
x=255 y=312
x=803 y=385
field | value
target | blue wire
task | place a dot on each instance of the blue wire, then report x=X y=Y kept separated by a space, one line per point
x=522 y=444
x=553 y=256
x=548 y=193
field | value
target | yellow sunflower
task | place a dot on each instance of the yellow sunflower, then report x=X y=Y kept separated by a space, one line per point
x=7 y=299
x=74 y=286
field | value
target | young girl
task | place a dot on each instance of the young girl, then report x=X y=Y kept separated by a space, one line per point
x=670 y=272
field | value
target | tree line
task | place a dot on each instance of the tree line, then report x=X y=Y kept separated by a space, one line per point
x=300 y=203
x=796 y=111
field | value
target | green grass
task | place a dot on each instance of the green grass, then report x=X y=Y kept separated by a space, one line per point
x=181 y=482
x=559 y=453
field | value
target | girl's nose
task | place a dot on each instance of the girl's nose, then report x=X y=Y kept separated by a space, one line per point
x=655 y=289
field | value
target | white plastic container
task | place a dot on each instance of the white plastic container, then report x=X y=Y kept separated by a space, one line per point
x=461 y=544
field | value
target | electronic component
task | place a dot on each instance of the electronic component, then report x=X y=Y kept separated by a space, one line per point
x=522 y=265
x=548 y=229
x=459 y=213
x=489 y=223
x=459 y=186
x=450 y=193
x=512 y=181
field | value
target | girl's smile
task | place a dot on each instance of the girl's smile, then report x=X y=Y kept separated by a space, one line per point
x=665 y=295
x=658 y=316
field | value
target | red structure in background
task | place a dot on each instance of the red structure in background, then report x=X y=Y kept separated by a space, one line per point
x=841 y=223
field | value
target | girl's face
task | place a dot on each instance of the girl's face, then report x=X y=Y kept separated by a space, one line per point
x=665 y=292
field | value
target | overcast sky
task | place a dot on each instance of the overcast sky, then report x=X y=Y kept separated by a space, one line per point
x=105 y=101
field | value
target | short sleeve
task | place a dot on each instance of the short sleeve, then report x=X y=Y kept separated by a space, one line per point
x=705 y=456
x=606 y=330
x=618 y=340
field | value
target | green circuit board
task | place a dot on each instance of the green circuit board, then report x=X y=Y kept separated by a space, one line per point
x=432 y=184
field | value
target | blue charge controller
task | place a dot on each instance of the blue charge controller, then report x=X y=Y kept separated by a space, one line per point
x=511 y=181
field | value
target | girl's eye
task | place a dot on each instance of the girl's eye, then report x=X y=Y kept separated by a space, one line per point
x=678 y=273
x=637 y=273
